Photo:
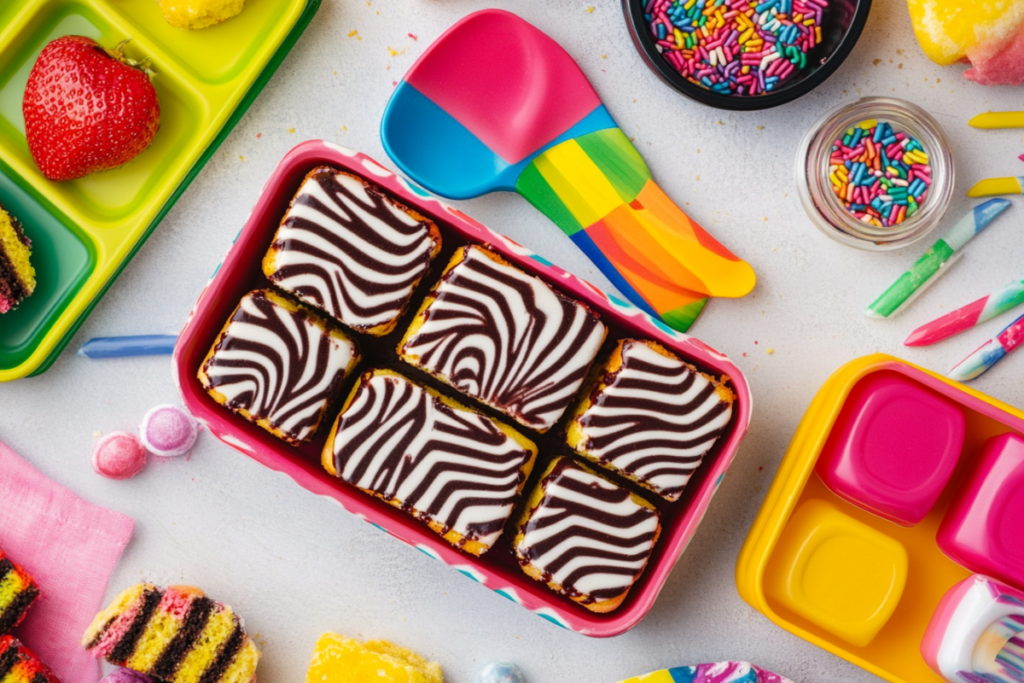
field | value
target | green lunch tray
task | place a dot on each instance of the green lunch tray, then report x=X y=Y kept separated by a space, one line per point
x=84 y=231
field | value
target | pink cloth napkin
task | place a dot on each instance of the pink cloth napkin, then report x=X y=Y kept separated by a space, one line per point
x=70 y=547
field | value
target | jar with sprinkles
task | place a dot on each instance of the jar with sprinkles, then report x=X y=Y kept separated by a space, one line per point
x=876 y=174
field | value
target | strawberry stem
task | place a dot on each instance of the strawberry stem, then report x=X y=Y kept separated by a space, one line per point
x=118 y=54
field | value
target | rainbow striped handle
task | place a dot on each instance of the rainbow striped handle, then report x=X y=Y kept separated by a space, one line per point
x=599 y=191
x=966 y=317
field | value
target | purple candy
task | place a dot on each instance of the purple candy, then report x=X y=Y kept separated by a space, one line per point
x=168 y=431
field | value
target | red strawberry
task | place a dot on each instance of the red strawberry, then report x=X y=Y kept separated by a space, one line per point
x=86 y=109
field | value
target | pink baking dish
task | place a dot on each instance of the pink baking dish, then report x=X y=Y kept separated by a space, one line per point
x=240 y=272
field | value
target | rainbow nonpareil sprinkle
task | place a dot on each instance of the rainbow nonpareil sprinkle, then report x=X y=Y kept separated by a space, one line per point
x=736 y=47
x=881 y=176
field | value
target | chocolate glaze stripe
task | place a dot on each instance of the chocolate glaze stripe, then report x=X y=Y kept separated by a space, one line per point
x=277 y=364
x=655 y=420
x=184 y=640
x=346 y=248
x=227 y=653
x=6 y=567
x=507 y=338
x=126 y=646
x=8 y=658
x=455 y=467
x=588 y=534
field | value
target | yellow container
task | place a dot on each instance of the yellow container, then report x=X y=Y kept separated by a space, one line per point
x=839 y=573
x=894 y=653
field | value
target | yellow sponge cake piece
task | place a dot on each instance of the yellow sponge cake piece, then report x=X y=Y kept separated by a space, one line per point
x=338 y=659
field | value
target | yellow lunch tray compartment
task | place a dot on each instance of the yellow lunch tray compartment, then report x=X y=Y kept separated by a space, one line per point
x=802 y=543
x=839 y=573
x=84 y=231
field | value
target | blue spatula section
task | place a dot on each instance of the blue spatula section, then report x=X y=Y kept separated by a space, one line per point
x=442 y=155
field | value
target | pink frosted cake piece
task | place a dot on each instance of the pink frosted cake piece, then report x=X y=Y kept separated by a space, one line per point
x=977 y=633
x=1001 y=67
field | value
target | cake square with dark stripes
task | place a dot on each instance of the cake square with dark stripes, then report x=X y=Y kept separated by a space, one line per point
x=504 y=338
x=351 y=251
x=17 y=593
x=451 y=467
x=585 y=537
x=650 y=416
x=177 y=635
x=278 y=365
x=17 y=276
x=19 y=665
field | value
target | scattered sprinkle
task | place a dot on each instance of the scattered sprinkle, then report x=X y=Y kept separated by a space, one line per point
x=354 y=32
x=241 y=158
x=590 y=10
x=97 y=435
x=770 y=350
x=259 y=135
x=760 y=127
x=394 y=83
x=413 y=36
x=604 y=56
x=876 y=62
x=344 y=129
x=291 y=130
x=880 y=175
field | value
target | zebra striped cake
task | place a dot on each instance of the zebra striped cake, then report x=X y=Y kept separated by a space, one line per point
x=451 y=467
x=651 y=417
x=504 y=337
x=19 y=665
x=177 y=635
x=347 y=249
x=584 y=536
x=278 y=365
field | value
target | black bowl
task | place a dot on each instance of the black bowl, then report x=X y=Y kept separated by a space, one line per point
x=842 y=24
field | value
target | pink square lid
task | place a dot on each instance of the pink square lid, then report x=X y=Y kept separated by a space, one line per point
x=893 y=447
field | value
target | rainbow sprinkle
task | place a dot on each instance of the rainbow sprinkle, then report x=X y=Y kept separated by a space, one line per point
x=880 y=176
x=736 y=47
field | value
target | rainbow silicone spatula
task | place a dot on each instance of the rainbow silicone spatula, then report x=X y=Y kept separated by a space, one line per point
x=495 y=104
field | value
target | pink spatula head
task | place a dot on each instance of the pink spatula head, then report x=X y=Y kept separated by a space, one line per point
x=495 y=104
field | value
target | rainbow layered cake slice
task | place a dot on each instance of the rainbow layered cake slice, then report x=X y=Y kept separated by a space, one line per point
x=176 y=635
x=650 y=417
x=17 y=593
x=19 y=665
x=451 y=467
x=504 y=338
x=278 y=364
x=17 y=276
x=350 y=251
x=584 y=536
x=337 y=659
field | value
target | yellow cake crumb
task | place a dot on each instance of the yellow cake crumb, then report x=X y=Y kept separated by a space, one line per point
x=337 y=659
x=193 y=14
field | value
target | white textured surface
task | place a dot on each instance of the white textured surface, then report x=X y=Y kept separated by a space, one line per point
x=295 y=565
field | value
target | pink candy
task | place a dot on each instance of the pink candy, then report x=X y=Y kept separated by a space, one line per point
x=118 y=455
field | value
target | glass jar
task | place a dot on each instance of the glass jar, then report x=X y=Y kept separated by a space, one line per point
x=826 y=210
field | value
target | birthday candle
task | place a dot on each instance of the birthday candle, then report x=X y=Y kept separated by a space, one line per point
x=124 y=347
x=936 y=260
x=974 y=313
x=990 y=353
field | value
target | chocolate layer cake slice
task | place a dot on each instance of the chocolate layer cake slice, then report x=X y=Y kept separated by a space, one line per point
x=17 y=276
x=17 y=592
x=177 y=635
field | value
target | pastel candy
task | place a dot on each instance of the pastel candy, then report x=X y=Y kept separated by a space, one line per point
x=168 y=431
x=499 y=672
x=977 y=633
x=118 y=455
x=721 y=672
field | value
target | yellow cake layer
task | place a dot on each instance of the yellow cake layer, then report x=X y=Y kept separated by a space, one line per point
x=219 y=628
x=120 y=604
x=193 y=14
x=337 y=659
x=11 y=586
x=16 y=251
